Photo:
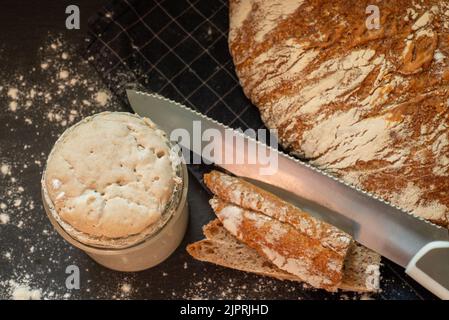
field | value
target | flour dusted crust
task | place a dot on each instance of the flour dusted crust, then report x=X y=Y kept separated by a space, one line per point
x=283 y=245
x=260 y=233
x=360 y=271
x=370 y=106
x=290 y=238
x=248 y=196
x=111 y=176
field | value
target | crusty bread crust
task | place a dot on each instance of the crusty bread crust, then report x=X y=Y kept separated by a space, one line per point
x=367 y=105
x=221 y=248
x=246 y=195
x=283 y=245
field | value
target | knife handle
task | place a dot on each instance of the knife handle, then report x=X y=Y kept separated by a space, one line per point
x=430 y=267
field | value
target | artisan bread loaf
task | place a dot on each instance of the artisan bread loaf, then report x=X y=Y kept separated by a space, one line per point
x=369 y=106
x=360 y=271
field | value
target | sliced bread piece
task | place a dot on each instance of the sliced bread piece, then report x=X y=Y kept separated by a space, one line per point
x=246 y=195
x=360 y=273
x=282 y=244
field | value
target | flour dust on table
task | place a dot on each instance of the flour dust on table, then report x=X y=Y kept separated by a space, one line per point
x=37 y=105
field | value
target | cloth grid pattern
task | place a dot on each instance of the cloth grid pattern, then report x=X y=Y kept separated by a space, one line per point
x=178 y=49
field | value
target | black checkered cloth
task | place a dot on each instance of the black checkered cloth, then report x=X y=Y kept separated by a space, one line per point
x=176 y=48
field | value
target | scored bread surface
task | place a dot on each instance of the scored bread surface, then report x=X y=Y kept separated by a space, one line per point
x=370 y=105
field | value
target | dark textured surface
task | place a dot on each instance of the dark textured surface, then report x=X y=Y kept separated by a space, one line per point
x=179 y=49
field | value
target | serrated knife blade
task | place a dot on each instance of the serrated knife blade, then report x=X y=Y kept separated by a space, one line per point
x=388 y=230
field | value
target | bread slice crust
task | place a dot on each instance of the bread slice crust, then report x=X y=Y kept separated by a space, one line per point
x=248 y=196
x=283 y=245
x=360 y=271
x=258 y=232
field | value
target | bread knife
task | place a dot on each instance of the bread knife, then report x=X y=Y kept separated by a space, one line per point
x=419 y=246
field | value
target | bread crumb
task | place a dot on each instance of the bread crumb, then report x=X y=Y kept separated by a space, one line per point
x=372 y=278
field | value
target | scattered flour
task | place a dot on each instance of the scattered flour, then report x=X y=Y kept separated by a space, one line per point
x=17 y=203
x=102 y=98
x=13 y=106
x=63 y=74
x=24 y=292
x=4 y=218
x=126 y=288
x=5 y=169
x=12 y=93
x=68 y=92
x=67 y=89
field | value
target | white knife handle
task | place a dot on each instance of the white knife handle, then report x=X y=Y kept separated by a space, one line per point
x=430 y=267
